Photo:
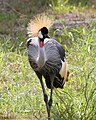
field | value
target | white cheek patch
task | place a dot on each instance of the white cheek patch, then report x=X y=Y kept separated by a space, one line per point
x=40 y=35
x=64 y=70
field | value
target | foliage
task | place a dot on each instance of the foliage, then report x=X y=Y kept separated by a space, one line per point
x=17 y=94
x=63 y=6
x=20 y=89
x=20 y=92
x=77 y=100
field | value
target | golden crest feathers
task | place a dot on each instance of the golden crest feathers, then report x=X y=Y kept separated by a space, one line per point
x=35 y=25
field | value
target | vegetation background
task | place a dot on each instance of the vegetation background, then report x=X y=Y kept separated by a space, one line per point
x=74 y=26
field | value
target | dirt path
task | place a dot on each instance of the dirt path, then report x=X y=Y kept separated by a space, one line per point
x=67 y=20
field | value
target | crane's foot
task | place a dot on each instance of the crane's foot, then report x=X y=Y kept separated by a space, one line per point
x=48 y=118
x=49 y=108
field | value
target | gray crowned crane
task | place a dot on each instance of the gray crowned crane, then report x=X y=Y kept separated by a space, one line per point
x=47 y=57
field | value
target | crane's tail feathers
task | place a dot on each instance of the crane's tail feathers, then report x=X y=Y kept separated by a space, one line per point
x=35 y=25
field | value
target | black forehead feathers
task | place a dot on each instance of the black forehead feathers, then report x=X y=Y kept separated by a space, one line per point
x=44 y=30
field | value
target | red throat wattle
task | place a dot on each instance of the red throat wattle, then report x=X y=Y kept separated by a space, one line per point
x=41 y=44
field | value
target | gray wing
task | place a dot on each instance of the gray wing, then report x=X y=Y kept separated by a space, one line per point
x=32 y=52
x=60 y=48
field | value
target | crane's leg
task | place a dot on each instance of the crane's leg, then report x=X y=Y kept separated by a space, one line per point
x=44 y=93
x=43 y=89
x=50 y=100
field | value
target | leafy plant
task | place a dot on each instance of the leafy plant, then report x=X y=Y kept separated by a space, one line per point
x=77 y=100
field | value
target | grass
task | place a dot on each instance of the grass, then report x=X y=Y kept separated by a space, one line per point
x=20 y=91
x=17 y=93
x=77 y=100
x=65 y=6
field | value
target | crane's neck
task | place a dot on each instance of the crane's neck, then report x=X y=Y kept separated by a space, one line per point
x=41 y=56
x=41 y=42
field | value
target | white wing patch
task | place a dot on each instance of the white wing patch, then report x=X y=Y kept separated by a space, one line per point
x=64 y=70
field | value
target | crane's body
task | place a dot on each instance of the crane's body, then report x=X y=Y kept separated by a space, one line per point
x=47 y=58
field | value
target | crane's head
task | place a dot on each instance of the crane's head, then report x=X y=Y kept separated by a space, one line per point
x=43 y=33
x=39 y=23
x=38 y=27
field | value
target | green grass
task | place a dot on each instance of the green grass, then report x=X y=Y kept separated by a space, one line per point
x=19 y=86
x=20 y=91
x=64 y=6
x=78 y=100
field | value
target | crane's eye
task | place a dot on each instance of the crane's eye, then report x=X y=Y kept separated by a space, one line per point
x=44 y=34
